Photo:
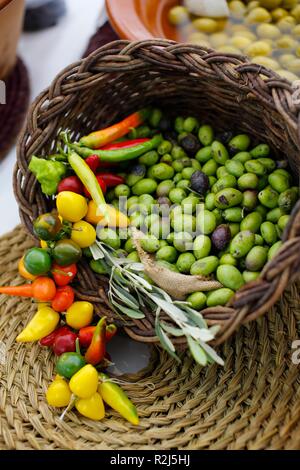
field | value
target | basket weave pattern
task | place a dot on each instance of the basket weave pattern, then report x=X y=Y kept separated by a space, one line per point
x=251 y=403
x=225 y=90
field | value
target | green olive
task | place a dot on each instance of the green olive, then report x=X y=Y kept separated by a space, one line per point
x=230 y=277
x=185 y=262
x=219 y=297
x=204 y=266
x=178 y=15
x=197 y=300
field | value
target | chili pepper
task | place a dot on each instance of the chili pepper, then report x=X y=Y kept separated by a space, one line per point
x=86 y=334
x=110 y=179
x=70 y=363
x=23 y=271
x=110 y=134
x=49 y=339
x=71 y=183
x=93 y=162
x=85 y=382
x=42 y=324
x=58 y=393
x=111 y=330
x=63 y=275
x=66 y=252
x=37 y=261
x=102 y=185
x=64 y=342
x=43 y=289
x=89 y=180
x=63 y=299
x=92 y=407
x=97 y=348
x=115 y=218
x=80 y=314
x=47 y=226
x=125 y=144
x=121 y=155
x=117 y=399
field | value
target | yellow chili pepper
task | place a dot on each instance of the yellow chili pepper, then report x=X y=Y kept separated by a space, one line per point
x=115 y=218
x=117 y=399
x=85 y=382
x=42 y=324
x=92 y=407
x=58 y=393
x=80 y=314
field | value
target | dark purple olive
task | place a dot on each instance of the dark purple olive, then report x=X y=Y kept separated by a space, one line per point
x=200 y=182
x=190 y=144
x=221 y=237
x=224 y=137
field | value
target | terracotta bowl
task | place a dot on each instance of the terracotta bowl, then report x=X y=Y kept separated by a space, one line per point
x=141 y=19
x=11 y=20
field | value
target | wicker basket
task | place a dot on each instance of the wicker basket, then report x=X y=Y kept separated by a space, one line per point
x=225 y=90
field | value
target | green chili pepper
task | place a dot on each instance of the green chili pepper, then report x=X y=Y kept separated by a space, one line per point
x=47 y=226
x=37 y=261
x=70 y=363
x=66 y=252
x=115 y=156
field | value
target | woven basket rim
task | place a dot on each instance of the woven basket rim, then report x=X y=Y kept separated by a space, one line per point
x=272 y=91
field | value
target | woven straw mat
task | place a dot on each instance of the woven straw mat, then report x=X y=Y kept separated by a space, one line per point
x=251 y=403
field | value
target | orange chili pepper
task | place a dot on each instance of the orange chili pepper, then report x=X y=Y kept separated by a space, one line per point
x=102 y=137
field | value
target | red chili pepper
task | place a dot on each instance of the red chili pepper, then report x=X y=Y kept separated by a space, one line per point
x=102 y=186
x=124 y=145
x=110 y=134
x=63 y=275
x=65 y=341
x=93 y=162
x=86 y=334
x=49 y=339
x=110 y=179
x=71 y=183
x=63 y=299
x=111 y=330
x=97 y=349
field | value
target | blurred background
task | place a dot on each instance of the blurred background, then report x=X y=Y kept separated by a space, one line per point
x=45 y=53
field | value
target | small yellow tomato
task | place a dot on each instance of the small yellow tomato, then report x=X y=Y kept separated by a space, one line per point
x=43 y=244
x=58 y=393
x=83 y=234
x=84 y=383
x=71 y=206
x=92 y=408
x=23 y=271
x=80 y=314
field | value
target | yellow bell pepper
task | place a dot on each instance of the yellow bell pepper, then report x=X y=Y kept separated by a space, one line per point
x=85 y=382
x=42 y=324
x=115 y=218
x=58 y=393
x=80 y=314
x=117 y=399
x=92 y=408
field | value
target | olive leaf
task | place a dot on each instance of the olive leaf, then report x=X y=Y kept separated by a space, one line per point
x=129 y=291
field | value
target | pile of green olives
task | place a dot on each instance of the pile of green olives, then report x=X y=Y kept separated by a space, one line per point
x=210 y=204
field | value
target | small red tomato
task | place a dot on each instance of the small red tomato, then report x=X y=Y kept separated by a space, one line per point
x=63 y=275
x=71 y=183
x=65 y=342
x=63 y=299
x=93 y=161
x=102 y=186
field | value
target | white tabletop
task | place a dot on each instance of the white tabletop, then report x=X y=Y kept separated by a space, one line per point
x=46 y=53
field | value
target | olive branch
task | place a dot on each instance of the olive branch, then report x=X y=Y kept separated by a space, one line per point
x=127 y=279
